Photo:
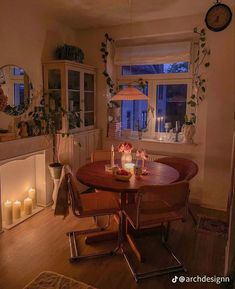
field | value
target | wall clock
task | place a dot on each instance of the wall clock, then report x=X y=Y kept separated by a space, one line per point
x=218 y=17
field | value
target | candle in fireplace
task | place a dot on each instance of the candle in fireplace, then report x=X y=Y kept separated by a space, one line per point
x=16 y=210
x=8 y=212
x=32 y=195
x=28 y=206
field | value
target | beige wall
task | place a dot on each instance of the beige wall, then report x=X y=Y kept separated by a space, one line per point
x=215 y=114
x=28 y=37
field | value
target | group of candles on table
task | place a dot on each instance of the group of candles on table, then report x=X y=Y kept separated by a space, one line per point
x=126 y=160
x=12 y=210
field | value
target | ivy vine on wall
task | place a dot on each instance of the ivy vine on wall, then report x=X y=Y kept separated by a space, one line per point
x=198 y=78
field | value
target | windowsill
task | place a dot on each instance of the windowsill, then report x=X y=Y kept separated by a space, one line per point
x=152 y=140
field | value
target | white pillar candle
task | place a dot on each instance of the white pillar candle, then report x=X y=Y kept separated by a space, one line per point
x=32 y=195
x=16 y=210
x=112 y=156
x=158 y=124
x=8 y=212
x=28 y=206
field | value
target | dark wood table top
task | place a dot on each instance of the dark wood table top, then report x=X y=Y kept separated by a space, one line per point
x=94 y=175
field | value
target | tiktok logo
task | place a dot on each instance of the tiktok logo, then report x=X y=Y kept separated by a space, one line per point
x=174 y=280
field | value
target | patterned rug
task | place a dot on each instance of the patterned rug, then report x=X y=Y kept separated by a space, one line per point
x=207 y=224
x=52 y=280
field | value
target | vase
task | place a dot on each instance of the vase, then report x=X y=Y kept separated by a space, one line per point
x=188 y=131
x=55 y=170
x=126 y=158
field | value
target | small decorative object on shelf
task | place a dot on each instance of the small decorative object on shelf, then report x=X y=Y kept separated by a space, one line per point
x=125 y=148
x=188 y=129
x=8 y=212
x=69 y=52
x=16 y=210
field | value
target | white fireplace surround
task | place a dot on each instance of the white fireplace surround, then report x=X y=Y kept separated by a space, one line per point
x=23 y=164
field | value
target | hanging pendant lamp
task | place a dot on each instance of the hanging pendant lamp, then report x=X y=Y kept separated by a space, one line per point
x=129 y=93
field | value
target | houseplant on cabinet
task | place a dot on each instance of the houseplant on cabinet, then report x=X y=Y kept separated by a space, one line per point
x=48 y=115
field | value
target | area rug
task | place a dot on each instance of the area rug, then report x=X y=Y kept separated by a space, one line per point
x=207 y=224
x=52 y=280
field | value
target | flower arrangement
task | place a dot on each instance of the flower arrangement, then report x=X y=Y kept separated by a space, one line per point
x=142 y=154
x=125 y=147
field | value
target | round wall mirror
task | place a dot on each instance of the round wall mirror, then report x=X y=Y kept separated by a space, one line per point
x=16 y=90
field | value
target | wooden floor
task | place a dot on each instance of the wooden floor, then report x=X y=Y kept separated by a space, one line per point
x=40 y=244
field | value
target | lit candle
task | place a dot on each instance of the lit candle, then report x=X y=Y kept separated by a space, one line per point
x=112 y=156
x=8 y=212
x=16 y=210
x=158 y=124
x=28 y=206
x=129 y=167
x=32 y=195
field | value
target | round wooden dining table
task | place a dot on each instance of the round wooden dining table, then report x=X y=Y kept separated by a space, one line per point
x=95 y=176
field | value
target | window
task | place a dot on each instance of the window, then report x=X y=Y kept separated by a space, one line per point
x=178 y=67
x=170 y=105
x=168 y=96
x=166 y=68
x=134 y=112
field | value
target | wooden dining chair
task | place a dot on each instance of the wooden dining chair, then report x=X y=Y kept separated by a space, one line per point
x=99 y=203
x=103 y=155
x=158 y=205
x=187 y=170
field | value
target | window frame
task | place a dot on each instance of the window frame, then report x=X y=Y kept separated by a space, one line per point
x=154 y=80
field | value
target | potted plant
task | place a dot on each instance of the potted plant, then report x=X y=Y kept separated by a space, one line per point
x=114 y=110
x=49 y=116
x=188 y=128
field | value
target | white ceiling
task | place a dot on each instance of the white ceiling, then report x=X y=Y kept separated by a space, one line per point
x=100 y=13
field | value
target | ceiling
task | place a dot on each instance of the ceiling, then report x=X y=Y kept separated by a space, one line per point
x=83 y=14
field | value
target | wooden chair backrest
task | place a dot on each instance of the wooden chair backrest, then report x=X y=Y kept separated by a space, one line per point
x=162 y=198
x=186 y=168
x=103 y=155
x=74 y=195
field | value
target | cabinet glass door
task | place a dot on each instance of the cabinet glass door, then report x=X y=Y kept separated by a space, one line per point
x=53 y=97
x=74 y=98
x=89 y=103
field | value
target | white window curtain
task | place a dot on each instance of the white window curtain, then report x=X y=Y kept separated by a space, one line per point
x=158 y=53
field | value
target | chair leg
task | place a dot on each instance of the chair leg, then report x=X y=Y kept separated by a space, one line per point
x=171 y=269
x=193 y=217
x=74 y=251
x=107 y=225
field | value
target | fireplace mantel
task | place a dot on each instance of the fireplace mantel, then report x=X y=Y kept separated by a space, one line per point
x=23 y=146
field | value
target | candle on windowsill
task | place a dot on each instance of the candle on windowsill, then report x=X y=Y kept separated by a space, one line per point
x=16 y=210
x=112 y=156
x=8 y=212
x=158 y=124
x=28 y=206
x=32 y=195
